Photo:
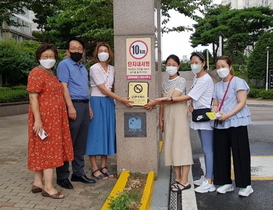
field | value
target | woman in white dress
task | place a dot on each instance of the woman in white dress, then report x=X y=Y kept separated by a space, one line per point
x=173 y=121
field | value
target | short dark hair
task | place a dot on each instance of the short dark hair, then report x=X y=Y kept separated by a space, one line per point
x=74 y=39
x=95 y=53
x=45 y=47
x=176 y=59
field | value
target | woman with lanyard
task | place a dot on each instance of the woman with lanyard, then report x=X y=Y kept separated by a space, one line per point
x=200 y=96
x=230 y=130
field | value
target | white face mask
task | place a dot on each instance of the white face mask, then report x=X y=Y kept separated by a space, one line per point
x=223 y=72
x=47 y=63
x=196 y=68
x=103 y=56
x=171 y=70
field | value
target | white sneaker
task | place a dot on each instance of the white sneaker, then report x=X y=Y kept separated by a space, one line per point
x=205 y=187
x=246 y=191
x=199 y=181
x=225 y=188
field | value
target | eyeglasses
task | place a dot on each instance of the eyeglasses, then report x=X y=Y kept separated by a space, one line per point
x=47 y=57
x=80 y=50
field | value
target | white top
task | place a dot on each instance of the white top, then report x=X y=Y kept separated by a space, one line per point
x=201 y=94
x=178 y=83
x=99 y=76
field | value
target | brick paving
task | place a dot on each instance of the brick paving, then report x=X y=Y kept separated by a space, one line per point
x=16 y=180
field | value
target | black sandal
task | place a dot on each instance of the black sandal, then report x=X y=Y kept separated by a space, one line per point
x=178 y=187
x=174 y=187
x=101 y=176
x=107 y=173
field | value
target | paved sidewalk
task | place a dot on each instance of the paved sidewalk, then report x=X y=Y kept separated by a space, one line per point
x=16 y=180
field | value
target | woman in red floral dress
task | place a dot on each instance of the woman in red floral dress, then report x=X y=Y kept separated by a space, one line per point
x=47 y=112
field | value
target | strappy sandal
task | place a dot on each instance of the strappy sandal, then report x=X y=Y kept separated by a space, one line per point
x=178 y=187
x=174 y=187
x=107 y=173
x=57 y=195
x=101 y=176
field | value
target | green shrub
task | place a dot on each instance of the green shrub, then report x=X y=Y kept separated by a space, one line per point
x=255 y=86
x=266 y=94
x=13 y=96
x=19 y=87
x=254 y=93
x=4 y=88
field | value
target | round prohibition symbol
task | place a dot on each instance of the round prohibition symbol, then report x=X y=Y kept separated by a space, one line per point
x=138 y=49
x=138 y=88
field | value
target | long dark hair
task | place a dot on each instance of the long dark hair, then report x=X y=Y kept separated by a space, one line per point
x=201 y=57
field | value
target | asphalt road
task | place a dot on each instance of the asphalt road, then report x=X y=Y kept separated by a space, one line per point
x=261 y=146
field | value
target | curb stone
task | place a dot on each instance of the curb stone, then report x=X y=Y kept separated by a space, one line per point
x=121 y=183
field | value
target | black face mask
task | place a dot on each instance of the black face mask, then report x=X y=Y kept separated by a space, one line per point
x=76 y=56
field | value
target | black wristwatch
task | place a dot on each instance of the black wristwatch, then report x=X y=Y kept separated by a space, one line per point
x=171 y=99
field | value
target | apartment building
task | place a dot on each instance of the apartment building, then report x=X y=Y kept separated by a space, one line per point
x=240 y=4
x=23 y=32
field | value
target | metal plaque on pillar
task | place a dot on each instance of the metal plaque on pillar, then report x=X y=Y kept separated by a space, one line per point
x=138 y=93
x=135 y=124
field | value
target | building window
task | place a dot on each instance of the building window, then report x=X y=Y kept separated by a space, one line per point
x=26 y=13
x=15 y=37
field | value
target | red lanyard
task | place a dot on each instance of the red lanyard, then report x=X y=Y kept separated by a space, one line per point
x=222 y=102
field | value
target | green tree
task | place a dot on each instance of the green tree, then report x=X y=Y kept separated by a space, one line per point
x=258 y=59
x=93 y=19
x=208 y=29
x=16 y=59
x=239 y=28
x=189 y=8
x=245 y=26
x=10 y=7
x=42 y=13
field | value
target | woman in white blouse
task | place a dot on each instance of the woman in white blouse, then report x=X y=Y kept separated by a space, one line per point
x=101 y=139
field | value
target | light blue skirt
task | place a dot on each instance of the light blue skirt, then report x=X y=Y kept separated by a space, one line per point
x=101 y=138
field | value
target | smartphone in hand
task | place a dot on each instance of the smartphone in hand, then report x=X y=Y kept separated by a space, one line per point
x=42 y=134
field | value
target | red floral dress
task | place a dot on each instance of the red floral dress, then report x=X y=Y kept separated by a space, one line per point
x=57 y=147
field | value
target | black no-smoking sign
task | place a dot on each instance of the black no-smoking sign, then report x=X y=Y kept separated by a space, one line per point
x=138 y=88
x=138 y=93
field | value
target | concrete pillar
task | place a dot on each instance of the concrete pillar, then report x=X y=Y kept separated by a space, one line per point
x=136 y=20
